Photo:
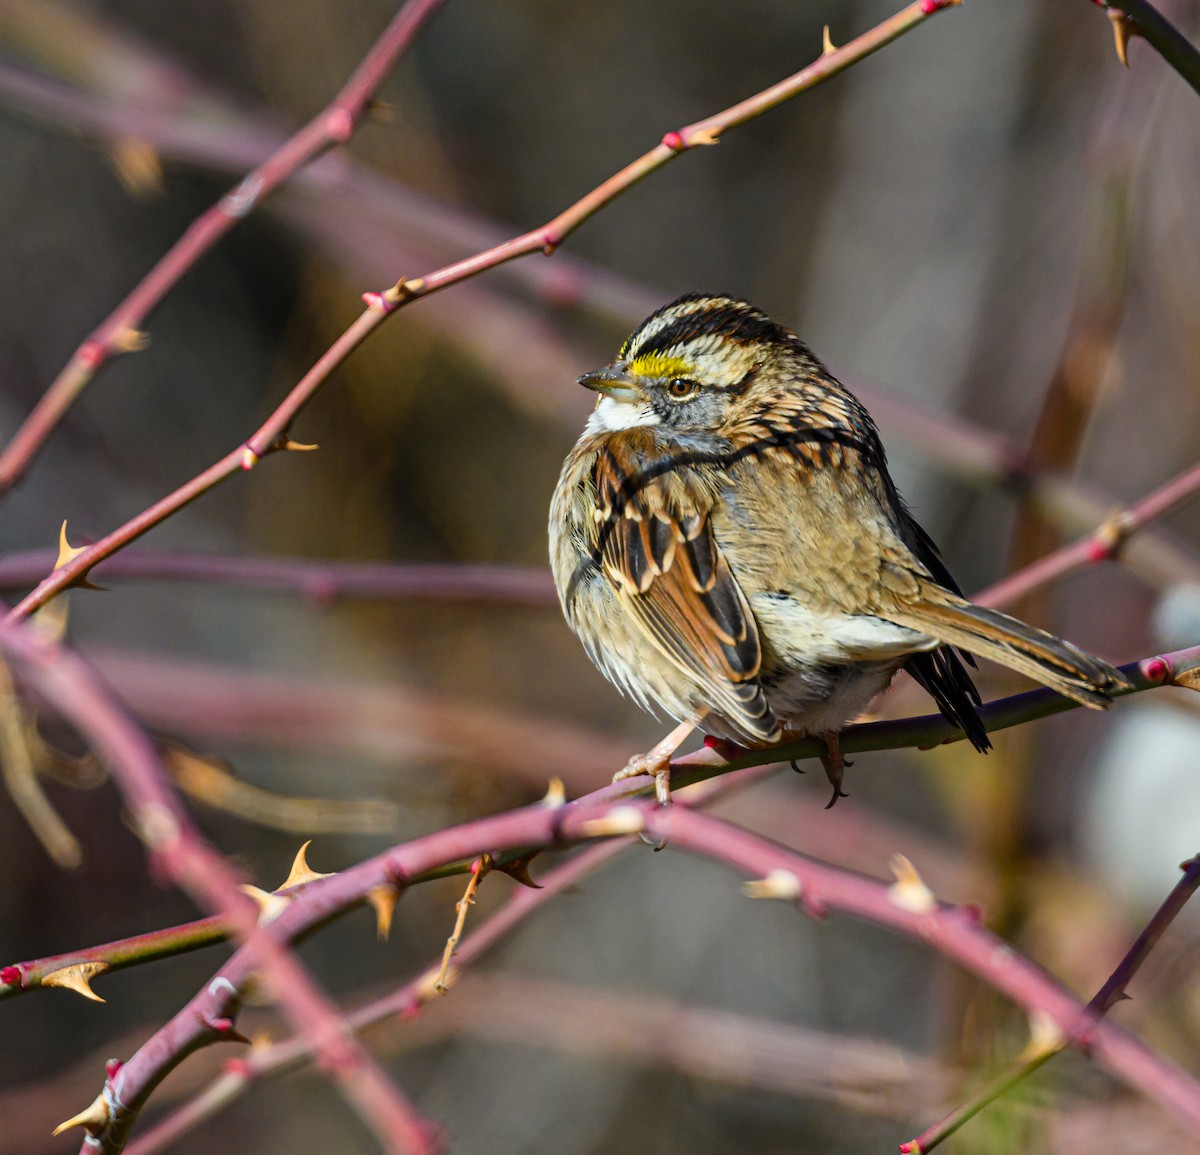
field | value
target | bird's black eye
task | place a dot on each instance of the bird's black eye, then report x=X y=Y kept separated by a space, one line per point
x=681 y=387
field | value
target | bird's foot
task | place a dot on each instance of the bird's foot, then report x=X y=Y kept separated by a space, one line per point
x=657 y=768
x=656 y=763
x=835 y=764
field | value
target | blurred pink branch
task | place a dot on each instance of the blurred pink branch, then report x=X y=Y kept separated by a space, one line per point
x=1102 y=545
x=319 y=581
x=639 y=1030
x=119 y=332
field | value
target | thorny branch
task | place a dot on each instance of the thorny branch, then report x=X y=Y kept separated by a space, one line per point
x=67 y=684
x=179 y=853
x=907 y=906
x=924 y=731
x=1141 y=18
x=119 y=333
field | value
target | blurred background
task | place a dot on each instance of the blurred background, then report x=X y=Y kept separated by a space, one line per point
x=990 y=229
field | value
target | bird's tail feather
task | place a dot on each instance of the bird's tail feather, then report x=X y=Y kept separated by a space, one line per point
x=1026 y=649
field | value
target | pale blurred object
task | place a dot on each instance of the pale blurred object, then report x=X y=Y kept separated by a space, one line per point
x=1141 y=817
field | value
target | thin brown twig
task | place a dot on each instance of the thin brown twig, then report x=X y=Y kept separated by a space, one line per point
x=481 y=866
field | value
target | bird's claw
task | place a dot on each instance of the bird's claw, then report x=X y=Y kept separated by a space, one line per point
x=835 y=764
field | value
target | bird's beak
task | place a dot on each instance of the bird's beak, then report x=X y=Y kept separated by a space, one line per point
x=614 y=381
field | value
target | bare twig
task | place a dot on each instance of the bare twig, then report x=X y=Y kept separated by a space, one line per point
x=1042 y=1051
x=1102 y=545
x=16 y=978
x=320 y=581
x=119 y=333
x=481 y=866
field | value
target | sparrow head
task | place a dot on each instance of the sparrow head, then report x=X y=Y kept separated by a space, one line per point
x=694 y=364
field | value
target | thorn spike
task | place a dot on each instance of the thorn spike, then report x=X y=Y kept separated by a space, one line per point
x=66 y=551
x=301 y=872
x=518 y=870
x=778 y=884
x=93 y=1118
x=909 y=891
x=270 y=906
x=383 y=901
x=130 y=341
x=77 y=978
x=1122 y=28
x=1045 y=1037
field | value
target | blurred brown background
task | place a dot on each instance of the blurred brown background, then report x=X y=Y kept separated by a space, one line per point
x=990 y=219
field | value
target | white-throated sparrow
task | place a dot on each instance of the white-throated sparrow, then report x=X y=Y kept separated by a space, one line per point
x=728 y=545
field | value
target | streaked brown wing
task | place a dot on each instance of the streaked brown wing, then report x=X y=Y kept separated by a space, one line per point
x=657 y=548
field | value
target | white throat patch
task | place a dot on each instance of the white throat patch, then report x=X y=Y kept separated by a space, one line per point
x=612 y=416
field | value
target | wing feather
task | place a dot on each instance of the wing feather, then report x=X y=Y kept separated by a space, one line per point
x=656 y=547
